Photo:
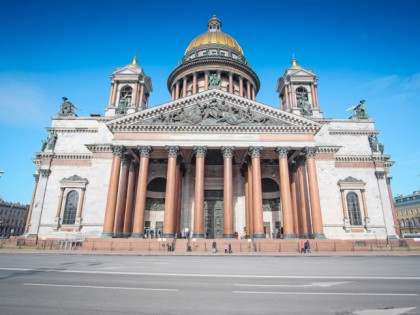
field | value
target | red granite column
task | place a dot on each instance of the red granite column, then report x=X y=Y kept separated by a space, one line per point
x=194 y=89
x=138 y=221
x=248 y=90
x=200 y=153
x=111 y=201
x=286 y=199
x=231 y=82
x=128 y=219
x=293 y=189
x=318 y=229
x=241 y=86
x=177 y=90
x=303 y=213
x=251 y=201
x=228 y=231
x=184 y=86
x=177 y=198
x=255 y=153
x=246 y=188
x=206 y=80
x=121 y=198
x=169 y=216
x=178 y=227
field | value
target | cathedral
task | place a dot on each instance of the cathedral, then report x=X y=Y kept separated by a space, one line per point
x=212 y=162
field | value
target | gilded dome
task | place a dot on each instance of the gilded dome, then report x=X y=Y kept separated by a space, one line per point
x=214 y=35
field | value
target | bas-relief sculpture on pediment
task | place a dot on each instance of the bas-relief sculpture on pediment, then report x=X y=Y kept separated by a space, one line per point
x=213 y=112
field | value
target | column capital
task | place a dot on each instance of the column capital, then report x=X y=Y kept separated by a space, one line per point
x=388 y=179
x=36 y=177
x=194 y=74
x=117 y=150
x=134 y=166
x=200 y=151
x=293 y=167
x=309 y=152
x=125 y=159
x=282 y=151
x=44 y=172
x=300 y=160
x=172 y=151
x=230 y=74
x=145 y=151
x=227 y=152
x=380 y=174
x=255 y=151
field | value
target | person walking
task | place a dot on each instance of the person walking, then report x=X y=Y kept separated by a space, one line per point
x=226 y=248
x=230 y=248
x=302 y=247
x=214 y=246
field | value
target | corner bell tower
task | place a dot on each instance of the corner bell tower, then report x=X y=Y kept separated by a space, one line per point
x=297 y=90
x=130 y=90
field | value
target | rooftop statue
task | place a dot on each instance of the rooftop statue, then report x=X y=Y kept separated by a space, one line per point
x=123 y=104
x=67 y=109
x=359 y=111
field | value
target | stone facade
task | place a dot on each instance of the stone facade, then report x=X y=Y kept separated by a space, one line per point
x=213 y=162
x=407 y=208
x=12 y=218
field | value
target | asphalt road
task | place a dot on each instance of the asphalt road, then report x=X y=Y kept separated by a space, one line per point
x=80 y=284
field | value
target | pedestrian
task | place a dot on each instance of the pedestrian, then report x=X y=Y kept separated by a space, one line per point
x=307 y=247
x=226 y=248
x=213 y=246
x=230 y=248
x=302 y=247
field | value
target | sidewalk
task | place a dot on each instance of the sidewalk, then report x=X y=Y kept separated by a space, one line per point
x=375 y=253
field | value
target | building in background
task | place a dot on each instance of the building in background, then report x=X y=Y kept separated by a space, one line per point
x=213 y=162
x=407 y=208
x=12 y=218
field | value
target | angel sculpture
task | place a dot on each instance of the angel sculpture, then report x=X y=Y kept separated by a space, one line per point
x=359 y=111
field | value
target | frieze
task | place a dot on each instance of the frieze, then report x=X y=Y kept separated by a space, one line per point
x=282 y=151
x=72 y=156
x=73 y=130
x=99 y=148
x=350 y=179
x=360 y=158
x=328 y=149
x=74 y=178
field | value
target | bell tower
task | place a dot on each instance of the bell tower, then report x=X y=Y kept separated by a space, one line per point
x=297 y=90
x=130 y=90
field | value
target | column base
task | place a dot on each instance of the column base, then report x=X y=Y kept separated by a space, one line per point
x=258 y=235
x=126 y=235
x=198 y=235
x=288 y=236
x=118 y=235
x=228 y=235
x=168 y=235
x=137 y=235
x=318 y=236
x=107 y=235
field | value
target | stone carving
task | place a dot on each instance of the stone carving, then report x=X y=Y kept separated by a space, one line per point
x=74 y=178
x=305 y=107
x=200 y=151
x=374 y=145
x=125 y=160
x=44 y=172
x=227 y=152
x=309 y=152
x=123 y=104
x=134 y=166
x=214 y=112
x=359 y=111
x=293 y=167
x=255 y=151
x=300 y=160
x=350 y=179
x=155 y=204
x=172 y=151
x=67 y=109
x=213 y=80
x=117 y=150
x=271 y=204
x=145 y=151
x=282 y=151
x=380 y=174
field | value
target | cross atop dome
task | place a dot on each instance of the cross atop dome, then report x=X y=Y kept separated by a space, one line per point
x=214 y=24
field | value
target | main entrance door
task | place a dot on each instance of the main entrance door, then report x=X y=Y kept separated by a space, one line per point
x=213 y=213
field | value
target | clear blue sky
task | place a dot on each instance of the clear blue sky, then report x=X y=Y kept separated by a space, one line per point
x=359 y=50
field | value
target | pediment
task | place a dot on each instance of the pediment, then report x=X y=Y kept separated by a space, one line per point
x=128 y=70
x=301 y=73
x=213 y=111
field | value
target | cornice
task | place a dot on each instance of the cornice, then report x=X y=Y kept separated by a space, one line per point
x=72 y=156
x=352 y=132
x=73 y=130
x=359 y=158
x=99 y=148
x=327 y=149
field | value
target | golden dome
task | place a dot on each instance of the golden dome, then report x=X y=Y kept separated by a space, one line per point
x=214 y=36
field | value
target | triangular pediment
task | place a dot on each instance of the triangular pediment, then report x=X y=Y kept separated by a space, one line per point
x=301 y=73
x=213 y=111
x=128 y=71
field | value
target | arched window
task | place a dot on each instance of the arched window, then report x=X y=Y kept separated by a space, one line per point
x=70 y=210
x=354 y=209
x=126 y=92
x=401 y=223
x=301 y=94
